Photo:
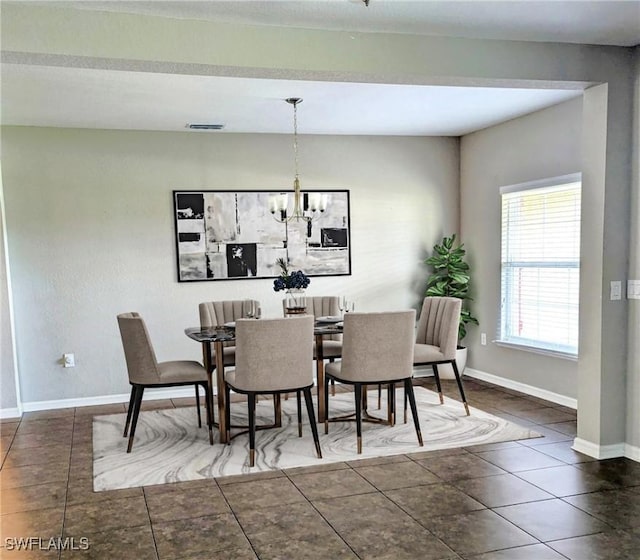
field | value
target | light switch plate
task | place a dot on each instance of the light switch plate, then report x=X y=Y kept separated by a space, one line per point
x=616 y=290
x=633 y=289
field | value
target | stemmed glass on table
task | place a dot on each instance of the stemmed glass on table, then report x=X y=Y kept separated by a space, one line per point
x=345 y=305
x=250 y=309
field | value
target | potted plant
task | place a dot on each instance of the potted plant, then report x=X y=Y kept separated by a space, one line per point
x=450 y=278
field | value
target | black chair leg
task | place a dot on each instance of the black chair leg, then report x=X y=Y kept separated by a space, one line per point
x=129 y=410
x=326 y=404
x=251 y=398
x=459 y=381
x=408 y=388
x=436 y=375
x=358 y=397
x=136 y=411
x=227 y=412
x=312 y=419
x=299 y=403
x=406 y=398
x=198 y=405
x=393 y=402
x=379 y=396
x=365 y=399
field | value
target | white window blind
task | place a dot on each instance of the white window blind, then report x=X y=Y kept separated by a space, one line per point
x=541 y=266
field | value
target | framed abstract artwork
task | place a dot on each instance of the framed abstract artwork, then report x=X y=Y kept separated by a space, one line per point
x=228 y=235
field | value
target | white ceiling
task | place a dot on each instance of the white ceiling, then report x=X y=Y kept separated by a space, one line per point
x=599 y=22
x=38 y=95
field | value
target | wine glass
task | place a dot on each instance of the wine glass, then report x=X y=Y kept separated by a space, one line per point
x=345 y=305
x=249 y=308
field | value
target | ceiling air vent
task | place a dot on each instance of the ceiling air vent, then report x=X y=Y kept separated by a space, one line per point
x=205 y=126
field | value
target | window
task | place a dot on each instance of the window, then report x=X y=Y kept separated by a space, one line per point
x=541 y=265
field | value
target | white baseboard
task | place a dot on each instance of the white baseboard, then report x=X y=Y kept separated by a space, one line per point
x=581 y=445
x=149 y=395
x=632 y=452
x=10 y=413
x=522 y=387
x=599 y=451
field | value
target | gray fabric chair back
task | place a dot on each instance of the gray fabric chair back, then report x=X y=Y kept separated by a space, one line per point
x=378 y=346
x=142 y=364
x=214 y=313
x=274 y=354
x=438 y=324
x=321 y=306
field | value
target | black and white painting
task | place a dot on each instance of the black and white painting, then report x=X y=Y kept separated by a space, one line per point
x=223 y=235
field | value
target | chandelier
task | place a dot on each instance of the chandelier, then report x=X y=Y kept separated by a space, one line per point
x=307 y=207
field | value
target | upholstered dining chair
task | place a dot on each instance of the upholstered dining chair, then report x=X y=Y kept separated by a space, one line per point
x=215 y=313
x=437 y=339
x=145 y=371
x=377 y=349
x=273 y=356
x=325 y=306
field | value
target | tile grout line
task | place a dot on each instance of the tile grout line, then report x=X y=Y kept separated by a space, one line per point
x=10 y=444
x=153 y=534
x=66 y=493
x=320 y=513
x=224 y=497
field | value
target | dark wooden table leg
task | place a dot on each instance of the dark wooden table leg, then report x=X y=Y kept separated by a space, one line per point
x=222 y=419
x=206 y=360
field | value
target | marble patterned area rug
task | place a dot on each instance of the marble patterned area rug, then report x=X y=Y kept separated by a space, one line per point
x=169 y=446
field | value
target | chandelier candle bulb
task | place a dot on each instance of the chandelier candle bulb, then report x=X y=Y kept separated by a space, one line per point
x=315 y=201
x=324 y=202
x=283 y=202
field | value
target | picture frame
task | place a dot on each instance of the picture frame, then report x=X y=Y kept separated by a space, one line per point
x=236 y=235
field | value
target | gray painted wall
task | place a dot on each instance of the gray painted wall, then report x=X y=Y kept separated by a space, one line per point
x=537 y=146
x=91 y=234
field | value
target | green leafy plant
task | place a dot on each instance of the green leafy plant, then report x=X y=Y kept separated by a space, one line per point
x=450 y=278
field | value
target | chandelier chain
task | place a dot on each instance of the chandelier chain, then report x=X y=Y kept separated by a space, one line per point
x=295 y=137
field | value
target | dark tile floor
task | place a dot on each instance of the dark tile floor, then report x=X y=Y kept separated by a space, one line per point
x=533 y=499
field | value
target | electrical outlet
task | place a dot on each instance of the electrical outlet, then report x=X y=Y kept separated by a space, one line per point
x=68 y=360
x=483 y=339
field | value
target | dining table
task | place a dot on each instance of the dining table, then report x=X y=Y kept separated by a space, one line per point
x=215 y=338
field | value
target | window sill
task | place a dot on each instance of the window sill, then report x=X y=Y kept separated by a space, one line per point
x=543 y=351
